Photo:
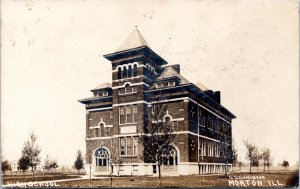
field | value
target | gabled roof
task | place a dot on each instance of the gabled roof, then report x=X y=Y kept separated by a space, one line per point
x=102 y=86
x=134 y=40
x=171 y=72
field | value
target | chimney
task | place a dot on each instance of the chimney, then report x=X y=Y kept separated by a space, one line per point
x=176 y=67
x=218 y=97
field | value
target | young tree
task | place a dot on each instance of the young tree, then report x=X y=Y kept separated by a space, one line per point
x=54 y=164
x=252 y=154
x=266 y=157
x=226 y=149
x=23 y=163
x=50 y=163
x=234 y=155
x=79 y=161
x=5 y=166
x=30 y=153
x=47 y=163
x=115 y=160
x=157 y=135
x=285 y=164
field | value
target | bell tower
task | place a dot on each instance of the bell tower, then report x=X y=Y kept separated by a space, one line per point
x=134 y=68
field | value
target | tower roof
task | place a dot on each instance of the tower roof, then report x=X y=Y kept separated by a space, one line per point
x=135 y=44
x=134 y=40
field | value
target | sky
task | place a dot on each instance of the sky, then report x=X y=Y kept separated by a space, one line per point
x=52 y=55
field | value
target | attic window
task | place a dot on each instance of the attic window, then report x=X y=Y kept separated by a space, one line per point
x=105 y=93
x=159 y=85
x=171 y=83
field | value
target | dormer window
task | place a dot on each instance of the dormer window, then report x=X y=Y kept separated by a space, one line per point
x=100 y=93
x=105 y=93
x=158 y=85
x=171 y=83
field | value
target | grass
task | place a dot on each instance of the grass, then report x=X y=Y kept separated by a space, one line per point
x=194 y=181
x=28 y=178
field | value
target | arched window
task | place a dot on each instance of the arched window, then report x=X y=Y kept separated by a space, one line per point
x=119 y=73
x=129 y=71
x=167 y=119
x=127 y=88
x=124 y=72
x=101 y=160
x=170 y=159
x=134 y=70
x=102 y=134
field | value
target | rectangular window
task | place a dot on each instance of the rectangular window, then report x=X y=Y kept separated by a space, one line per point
x=128 y=114
x=171 y=83
x=134 y=109
x=135 y=146
x=122 y=91
x=105 y=93
x=96 y=132
x=122 y=112
x=129 y=145
x=159 y=85
x=122 y=146
x=154 y=169
x=128 y=110
x=134 y=89
x=107 y=130
x=122 y=115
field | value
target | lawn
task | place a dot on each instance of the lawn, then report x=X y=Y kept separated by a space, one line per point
x=195 y=181
x=28 y=178
x=270 y=179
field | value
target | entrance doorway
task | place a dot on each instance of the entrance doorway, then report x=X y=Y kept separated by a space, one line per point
x=101 y=160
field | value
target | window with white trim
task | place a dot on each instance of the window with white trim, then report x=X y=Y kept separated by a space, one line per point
x=105 y=93
x=134 y=70
x=96 y=132
x=127 y=89
x=119 y=73
x=128 y=114
x=128 y=145
x=171 y=83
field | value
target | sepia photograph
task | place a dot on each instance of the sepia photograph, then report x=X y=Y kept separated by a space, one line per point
x=149 y=94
